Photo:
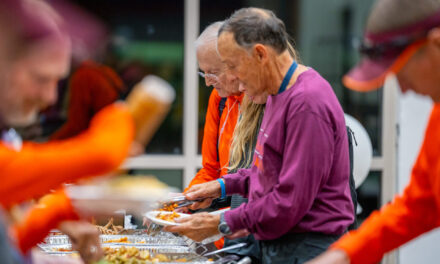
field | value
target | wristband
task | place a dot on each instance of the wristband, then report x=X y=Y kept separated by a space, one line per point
x=223 y=188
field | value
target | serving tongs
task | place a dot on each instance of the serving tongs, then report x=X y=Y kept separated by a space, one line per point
x=181 y=201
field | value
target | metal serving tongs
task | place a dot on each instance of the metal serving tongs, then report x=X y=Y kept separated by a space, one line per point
x=181 y=201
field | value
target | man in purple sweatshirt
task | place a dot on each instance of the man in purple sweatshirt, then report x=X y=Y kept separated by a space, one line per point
x=298 y=188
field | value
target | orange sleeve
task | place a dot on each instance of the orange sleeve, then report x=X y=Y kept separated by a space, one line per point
x=89 y=91
x=38 y=168
x=210 y=165
x=43 y=216
x=409 y=215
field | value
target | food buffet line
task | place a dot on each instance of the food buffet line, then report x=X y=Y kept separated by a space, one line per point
x=143 y=197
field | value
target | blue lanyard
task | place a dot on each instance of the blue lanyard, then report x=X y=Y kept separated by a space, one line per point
x=288 y=76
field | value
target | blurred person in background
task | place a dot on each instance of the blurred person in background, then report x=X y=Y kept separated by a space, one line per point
x=34 y=56
x=403 y=38
x=91 y=87
x=298 y=186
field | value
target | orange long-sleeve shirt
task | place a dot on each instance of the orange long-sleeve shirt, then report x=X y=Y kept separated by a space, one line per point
x=411 y=214
x=47 y=214
x=218 y=129
x=38 y=168
x=91 y=88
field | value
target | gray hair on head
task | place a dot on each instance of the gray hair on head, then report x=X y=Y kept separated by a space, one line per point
x=209 y=35
x=256 y=25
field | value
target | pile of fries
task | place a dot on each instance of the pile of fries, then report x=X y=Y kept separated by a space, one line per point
x=110 y=228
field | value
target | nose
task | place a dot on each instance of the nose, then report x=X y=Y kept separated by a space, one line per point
x=404 y=87
x=49 y=93
x=241 y=87
x=209 y=82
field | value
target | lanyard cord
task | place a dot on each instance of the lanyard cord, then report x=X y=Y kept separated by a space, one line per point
x=287 y=77
x=221 y=132
x=226 y=120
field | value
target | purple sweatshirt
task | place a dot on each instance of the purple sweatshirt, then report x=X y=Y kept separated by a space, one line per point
x=299 y=181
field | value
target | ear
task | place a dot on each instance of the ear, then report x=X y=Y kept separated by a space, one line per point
x=434 y=36
x=260 y=52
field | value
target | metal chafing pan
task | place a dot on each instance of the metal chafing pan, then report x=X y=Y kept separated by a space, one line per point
x=57 y=240
x=174 y=253
x=146 y=239
x=156 y=249
x=160 y=240
x=189 y=257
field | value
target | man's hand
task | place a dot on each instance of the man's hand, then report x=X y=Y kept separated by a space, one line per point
x=206 y=191
x=331 y=257
x=85 y=239
x=238 y=234
x=197 y=226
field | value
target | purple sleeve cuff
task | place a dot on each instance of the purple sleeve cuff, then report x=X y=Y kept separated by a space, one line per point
x=233 y=219
x=237 y=183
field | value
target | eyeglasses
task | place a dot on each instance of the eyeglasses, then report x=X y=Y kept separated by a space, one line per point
x=208 y=76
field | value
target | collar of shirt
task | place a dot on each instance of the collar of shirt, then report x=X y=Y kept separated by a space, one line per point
x=239 y=98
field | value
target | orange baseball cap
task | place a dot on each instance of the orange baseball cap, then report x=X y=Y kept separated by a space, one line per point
x=395 y=30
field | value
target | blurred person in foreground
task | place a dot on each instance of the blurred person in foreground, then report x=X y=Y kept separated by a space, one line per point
x=34 y=56
x=231 y=127
x=298 y=186
x=402 y=38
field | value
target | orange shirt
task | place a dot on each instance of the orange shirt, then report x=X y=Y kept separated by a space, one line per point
x=91 y=88
x=411 y=214
x=217 y=130
x=44 y=216
x=38 y=168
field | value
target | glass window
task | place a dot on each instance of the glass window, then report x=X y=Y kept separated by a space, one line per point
x=148 y=38
x=143 y=37
x=328 y=31
x=369 y=195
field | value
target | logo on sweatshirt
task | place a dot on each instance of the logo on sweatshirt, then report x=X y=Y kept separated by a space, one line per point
x=258 y=154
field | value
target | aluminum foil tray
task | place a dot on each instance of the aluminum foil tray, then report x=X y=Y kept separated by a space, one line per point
x=161 y=240
x=145 y=240
x=57 y=240
x=153 y=248
x=56 y=248
x=190 y=257
x=174 y=257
